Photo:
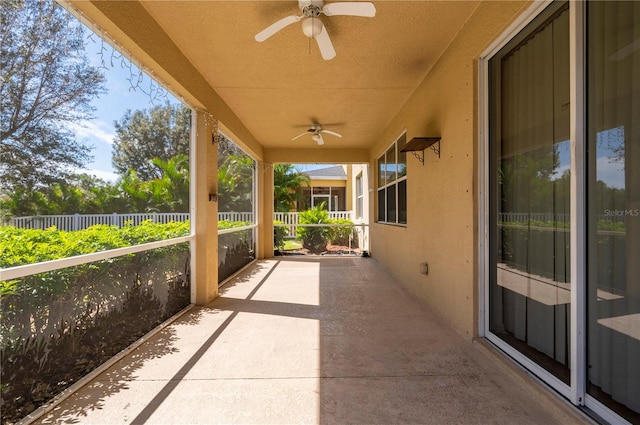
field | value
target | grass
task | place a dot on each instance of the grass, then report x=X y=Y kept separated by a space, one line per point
x=292 y=244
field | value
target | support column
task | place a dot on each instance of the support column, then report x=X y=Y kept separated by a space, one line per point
x=265 y=201
x=204 y=209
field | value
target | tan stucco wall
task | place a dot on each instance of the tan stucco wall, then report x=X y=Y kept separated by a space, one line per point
x=350 y=188
x=364 y=171
x=442 y=202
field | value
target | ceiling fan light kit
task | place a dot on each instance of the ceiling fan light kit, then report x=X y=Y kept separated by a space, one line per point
x=318 y=139
x=313 y=27
x=316 y=131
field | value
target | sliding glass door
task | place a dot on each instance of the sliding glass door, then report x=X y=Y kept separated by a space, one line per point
x=613 y=230
x=529 y=271
x=581 y=334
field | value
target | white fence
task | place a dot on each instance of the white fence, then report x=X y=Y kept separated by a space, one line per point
x=82 y=221
x=236 y=216
x=512 y=217
x=290 y=219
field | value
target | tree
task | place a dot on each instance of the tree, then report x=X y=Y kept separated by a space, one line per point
x=235 y=183
x=170 y=193
x=167 y=193
x=84 y=194
x=78 y=194
x=46 y=85
x=160 y=132
x=287 y=182
x=227 y=147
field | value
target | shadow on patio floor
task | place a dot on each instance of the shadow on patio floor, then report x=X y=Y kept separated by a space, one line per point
x=330 y=340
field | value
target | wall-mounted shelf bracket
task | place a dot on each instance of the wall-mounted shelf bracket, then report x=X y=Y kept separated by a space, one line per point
x=419 y=155
x=419 y=144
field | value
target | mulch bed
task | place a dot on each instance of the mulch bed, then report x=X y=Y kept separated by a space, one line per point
x=331 y=250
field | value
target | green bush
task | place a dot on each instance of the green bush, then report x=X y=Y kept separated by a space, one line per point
x=279 y=234
x=28 y=246
x=314 y=238
x=340 y=234
x=227 y=224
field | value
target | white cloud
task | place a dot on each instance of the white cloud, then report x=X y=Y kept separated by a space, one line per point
x=95 y=130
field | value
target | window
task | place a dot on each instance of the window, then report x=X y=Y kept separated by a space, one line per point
x=392 y=184
x=359 y=197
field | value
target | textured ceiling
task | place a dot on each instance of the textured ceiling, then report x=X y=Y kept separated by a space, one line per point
x=278 y=88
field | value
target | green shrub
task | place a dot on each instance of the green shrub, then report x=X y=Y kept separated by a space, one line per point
x=28 y=246
x=279 y=234
x=314 y=238
x=227 y=224
x=340 y=234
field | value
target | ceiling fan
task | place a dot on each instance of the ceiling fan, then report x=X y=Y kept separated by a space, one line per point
x=313 y=27
x=317 y=130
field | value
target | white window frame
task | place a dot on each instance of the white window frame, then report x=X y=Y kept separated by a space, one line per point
x=359 y=196
x=395 y=183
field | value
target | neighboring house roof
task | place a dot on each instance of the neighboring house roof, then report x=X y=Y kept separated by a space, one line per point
x=330 y=173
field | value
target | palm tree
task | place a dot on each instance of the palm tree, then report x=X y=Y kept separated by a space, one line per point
x=235 y=183
x=170 y=192
x=287 y=185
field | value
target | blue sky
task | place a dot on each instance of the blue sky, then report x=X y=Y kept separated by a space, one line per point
x=609 y=163
x=111 y=106
x=609 y=166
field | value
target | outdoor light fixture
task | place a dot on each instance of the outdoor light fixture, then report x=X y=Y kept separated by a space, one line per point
x=419 y=144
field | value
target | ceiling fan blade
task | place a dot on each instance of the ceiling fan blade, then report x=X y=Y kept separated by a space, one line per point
x=350 y=8
x=325 y=45
x=333 y=133
x=276 y=26
x=302 y=134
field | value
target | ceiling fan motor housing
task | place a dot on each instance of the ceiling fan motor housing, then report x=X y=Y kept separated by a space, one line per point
x=311 y=8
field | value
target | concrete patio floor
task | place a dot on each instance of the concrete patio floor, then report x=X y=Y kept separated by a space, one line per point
x=312 y=340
